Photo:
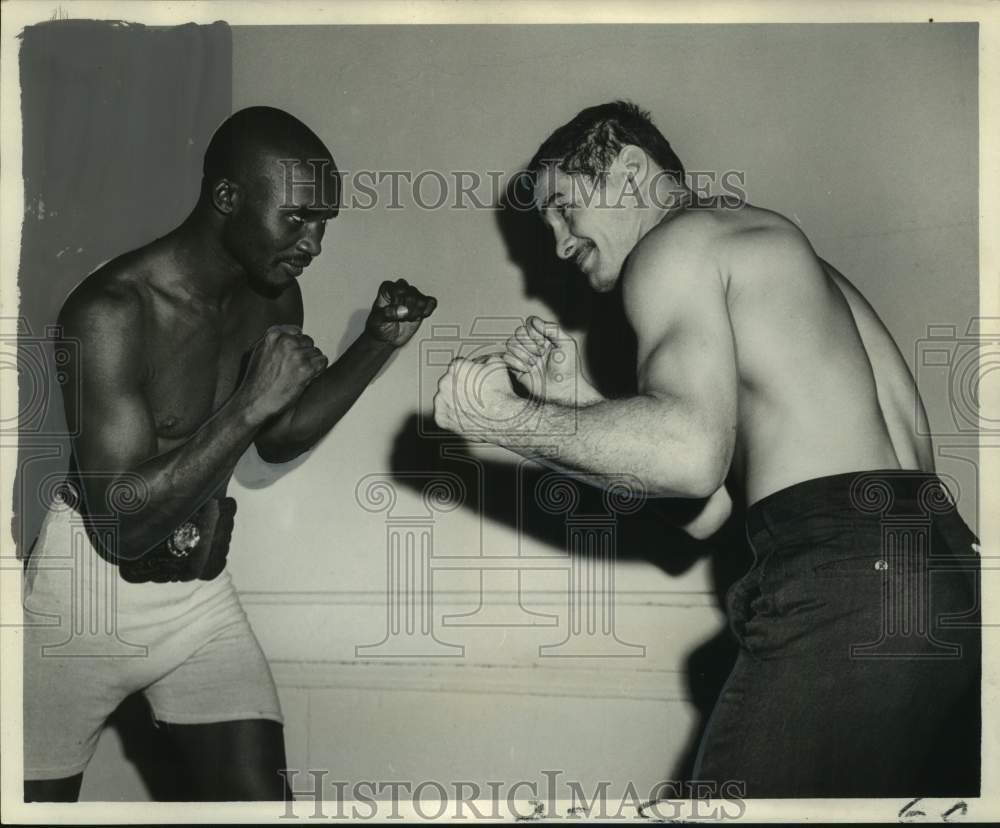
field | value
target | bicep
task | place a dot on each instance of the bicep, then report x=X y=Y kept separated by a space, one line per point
x=691 y=360
x=686 y=352
x=105 y=404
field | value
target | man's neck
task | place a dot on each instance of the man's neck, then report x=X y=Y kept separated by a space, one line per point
x=206 y=272
x=666 y=207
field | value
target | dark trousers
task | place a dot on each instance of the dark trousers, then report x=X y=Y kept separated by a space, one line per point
x=859 y=663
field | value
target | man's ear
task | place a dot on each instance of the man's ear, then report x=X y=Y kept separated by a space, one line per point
x=225 y=196
x=634 y=162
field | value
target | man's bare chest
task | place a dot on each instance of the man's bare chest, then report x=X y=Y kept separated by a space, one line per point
x=193 y=369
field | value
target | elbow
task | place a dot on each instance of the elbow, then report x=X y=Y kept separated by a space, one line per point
x=277 y=453
x=702 y=486
x=689 y=485
x=121 y=544
x=697 y=477
x=707 y=479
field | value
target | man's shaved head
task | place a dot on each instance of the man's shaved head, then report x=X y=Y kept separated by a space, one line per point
x=269 y=187
x=253 y=137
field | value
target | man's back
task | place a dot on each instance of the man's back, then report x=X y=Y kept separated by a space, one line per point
x=822 y=387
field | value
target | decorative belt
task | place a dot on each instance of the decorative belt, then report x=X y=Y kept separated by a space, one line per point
x=197 y=549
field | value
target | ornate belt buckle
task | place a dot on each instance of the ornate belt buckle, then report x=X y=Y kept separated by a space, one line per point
x=184 y=538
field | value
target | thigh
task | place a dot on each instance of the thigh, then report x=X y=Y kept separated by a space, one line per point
x=67 y=700
x=225 y=679
x=233 y=761
x=741 y=730
x=221 y=710
x=826 y=727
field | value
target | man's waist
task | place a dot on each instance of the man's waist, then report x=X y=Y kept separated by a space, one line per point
x=861 y=497
x=197 y=548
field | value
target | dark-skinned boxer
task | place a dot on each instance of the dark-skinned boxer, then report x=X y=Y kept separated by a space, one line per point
x=191 y=351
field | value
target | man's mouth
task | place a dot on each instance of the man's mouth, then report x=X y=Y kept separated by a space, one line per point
x=296 y=266
x=583 y=257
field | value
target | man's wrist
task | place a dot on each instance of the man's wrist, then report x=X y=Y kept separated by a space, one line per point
x=246 y=414
x=375 y=343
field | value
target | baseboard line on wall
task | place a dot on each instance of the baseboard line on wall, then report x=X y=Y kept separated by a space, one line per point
x=528 y=597
x=596 y=680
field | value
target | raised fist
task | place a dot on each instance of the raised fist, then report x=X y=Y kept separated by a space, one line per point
x=283 y=363
x=397 y=312
x=544 y=359
x=474 y=398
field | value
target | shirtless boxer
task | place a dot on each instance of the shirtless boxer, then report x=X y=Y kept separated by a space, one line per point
x=190 y=351
x=760 y=365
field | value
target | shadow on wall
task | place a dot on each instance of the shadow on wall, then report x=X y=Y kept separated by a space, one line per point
x=610 y=343
x=253 y=473
x=649 y=534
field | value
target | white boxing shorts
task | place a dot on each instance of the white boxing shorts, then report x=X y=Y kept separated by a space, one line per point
x=91 y=639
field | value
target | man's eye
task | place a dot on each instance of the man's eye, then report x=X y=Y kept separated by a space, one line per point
x=294 y=218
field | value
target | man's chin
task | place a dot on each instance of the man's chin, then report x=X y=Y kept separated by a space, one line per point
x=273 y=287
x=603 y=283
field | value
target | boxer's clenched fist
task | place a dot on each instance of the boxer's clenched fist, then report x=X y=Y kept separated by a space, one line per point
x=544 y=359
x=475 y=398
x=283 y=362
x=397 y=312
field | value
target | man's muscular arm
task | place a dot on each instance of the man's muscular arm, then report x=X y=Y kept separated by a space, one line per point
x=396 y=314
x=545 y=361
x=677 y=435
x=117 y=443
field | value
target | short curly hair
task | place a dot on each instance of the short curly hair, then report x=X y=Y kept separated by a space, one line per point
x=590 y=141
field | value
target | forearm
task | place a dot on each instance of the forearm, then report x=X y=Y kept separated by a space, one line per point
x=150 y=500
x=327 y=399
x=648 y=438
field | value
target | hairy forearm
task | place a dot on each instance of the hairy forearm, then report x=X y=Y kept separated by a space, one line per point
x=327 y=399
x=149 y=501
x=651 y=439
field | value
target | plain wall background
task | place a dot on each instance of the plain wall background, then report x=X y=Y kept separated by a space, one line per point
x=866 y=136
x=115 y=122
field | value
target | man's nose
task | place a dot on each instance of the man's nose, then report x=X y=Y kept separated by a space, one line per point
x=311 y=241
x=565 y=244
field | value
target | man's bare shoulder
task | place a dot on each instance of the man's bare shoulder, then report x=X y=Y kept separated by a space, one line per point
x=758 y=238
x=109 y=302
x=680 y=248
x=706 y=247
x=705 y=230
x=674 y=262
